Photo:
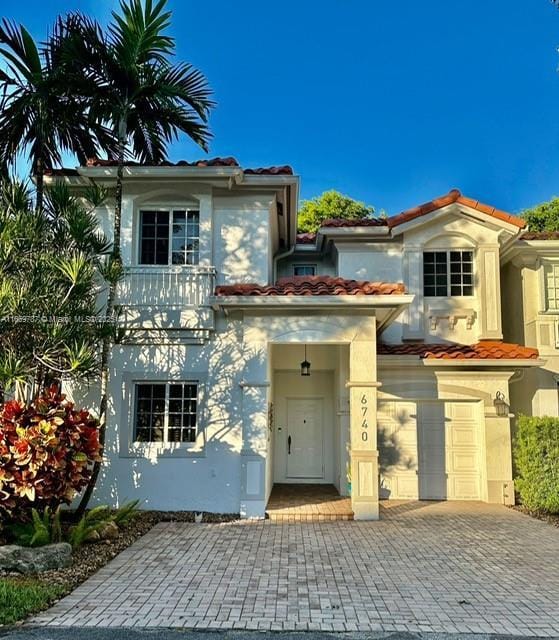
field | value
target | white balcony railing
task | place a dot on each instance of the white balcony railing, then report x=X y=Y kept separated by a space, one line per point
x=181 y=287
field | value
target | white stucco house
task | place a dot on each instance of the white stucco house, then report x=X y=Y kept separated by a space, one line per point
x=224 y=306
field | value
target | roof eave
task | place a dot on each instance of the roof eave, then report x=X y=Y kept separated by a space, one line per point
x=290 y=302
x=483 y=362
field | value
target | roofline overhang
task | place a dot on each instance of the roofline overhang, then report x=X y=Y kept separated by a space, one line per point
x=344 y=232
x=459 y=363
x=315 y=302
x=534 y=247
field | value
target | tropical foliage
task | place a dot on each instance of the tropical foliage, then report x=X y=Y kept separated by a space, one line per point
x=536 y=451
x=53 y=264
x=331 y=204
x=91 y=91
x=47 y=450
x=40 y=113
x=40 y=530
x=543 y=217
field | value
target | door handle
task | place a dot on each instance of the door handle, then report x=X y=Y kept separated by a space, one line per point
x=289 y=445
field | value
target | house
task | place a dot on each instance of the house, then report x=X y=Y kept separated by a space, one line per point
x=370 y=355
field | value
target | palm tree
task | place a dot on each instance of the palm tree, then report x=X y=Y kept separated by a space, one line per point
x=39 y=112
x=146 y=101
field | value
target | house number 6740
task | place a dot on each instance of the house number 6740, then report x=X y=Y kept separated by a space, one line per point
x=364 y=421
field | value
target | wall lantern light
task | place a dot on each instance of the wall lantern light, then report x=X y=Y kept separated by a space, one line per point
x=305 y=365
x=501 y=406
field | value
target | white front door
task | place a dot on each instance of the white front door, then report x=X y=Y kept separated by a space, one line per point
x=305 y=456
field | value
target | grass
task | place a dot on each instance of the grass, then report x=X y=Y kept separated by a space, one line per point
x=20 y=597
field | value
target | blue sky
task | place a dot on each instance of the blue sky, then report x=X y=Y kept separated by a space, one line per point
x=391 y=102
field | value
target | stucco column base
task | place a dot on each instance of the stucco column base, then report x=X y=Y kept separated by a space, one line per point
x=253 y=498
x=364 y=485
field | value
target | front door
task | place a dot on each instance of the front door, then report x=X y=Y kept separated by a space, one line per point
x=305 y=456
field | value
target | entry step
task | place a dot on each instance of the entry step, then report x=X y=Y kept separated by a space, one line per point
x=308 y=503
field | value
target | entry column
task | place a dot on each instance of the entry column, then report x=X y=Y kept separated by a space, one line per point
x=363 y=420
x=254 y=450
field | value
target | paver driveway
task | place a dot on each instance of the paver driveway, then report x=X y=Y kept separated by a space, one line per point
x=454 y=567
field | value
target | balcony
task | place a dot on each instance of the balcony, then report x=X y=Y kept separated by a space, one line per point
x=163 y=297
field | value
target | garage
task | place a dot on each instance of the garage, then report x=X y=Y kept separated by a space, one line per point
x=429 y=449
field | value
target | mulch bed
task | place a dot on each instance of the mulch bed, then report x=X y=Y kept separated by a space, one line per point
x=90 y=557
x=550 y=518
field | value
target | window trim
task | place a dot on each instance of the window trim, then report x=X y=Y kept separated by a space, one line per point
x=305 y=264
x=448 y=251
x=129 y=448
x=547 y=264
x=170 y=209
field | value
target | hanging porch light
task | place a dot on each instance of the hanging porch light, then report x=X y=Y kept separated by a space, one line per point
x=305 y=365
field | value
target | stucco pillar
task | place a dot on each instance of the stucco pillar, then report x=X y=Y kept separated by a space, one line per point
x=498 y=446
x=362 y=387
x=255 y=433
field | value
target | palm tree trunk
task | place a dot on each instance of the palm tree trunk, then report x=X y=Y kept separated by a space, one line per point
x=40 y=184
x=105 y=351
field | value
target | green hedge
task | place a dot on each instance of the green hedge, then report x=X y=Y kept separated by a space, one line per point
x=536 y=449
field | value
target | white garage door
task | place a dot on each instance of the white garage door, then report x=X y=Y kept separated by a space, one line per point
x=429 y=450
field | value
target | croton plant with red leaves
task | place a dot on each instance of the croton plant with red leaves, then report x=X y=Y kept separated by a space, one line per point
x=47 y=450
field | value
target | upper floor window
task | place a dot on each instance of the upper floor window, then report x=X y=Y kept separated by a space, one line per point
x=448 y=273
x=552 y=286
x=304 y=270
x=166 y=412
x=169 y=237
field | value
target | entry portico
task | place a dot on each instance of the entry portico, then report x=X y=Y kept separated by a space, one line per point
x=343 y=329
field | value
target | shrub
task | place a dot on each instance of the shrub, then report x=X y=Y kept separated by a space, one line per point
x=45 y=529
x=91 y=521
x=537 y=461
x=47 y=450
x=123 y=515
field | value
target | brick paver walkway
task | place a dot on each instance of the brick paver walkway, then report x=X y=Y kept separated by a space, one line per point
x=449 y=567
x=308 y=503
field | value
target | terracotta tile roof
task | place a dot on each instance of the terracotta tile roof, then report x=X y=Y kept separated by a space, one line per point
x=540 y=235
x=212 y=162
x=364 y=222
x=452 y=196
x=485 y=350
x=313 y=286
x=423 y=209
x=306 y=238
x=284 y=170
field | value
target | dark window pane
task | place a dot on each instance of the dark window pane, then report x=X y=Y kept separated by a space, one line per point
x=428 y=257
x=154 y=237
x=179 y=257
x=158 y=390
x=175 y=391
x=468 y=290
x=175 y=405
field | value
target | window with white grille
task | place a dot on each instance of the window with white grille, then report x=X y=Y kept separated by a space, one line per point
x=552 y=286
x=169 y=237
x=166 y=412
x=448 y=273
